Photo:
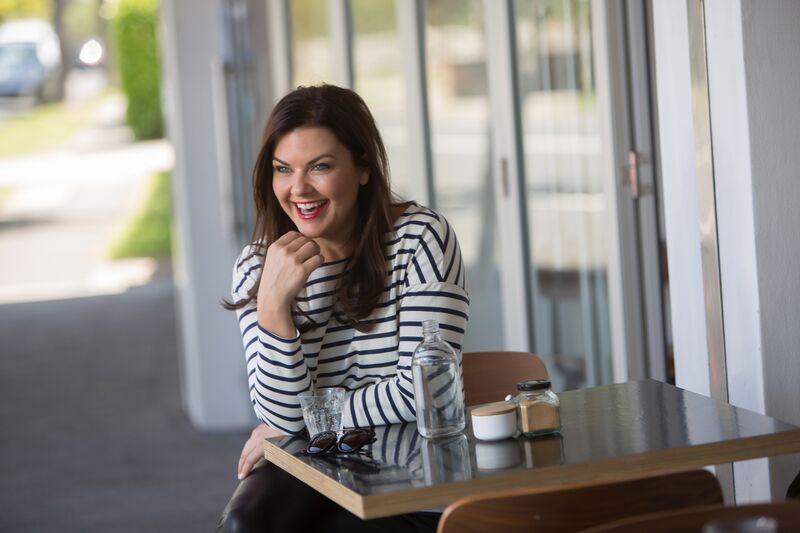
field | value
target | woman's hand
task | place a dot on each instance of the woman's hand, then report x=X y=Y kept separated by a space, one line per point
x=253 y=450
x=289 y=262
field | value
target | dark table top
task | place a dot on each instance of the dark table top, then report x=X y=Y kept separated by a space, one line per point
x=609 y=433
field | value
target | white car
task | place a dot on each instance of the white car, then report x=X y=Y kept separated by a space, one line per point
x=30 y=60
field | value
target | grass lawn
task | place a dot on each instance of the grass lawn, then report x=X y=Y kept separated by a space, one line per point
x=149 y=232
x=44 y=127
x=5 y=192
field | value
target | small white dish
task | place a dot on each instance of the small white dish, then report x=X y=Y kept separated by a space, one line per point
x=494 y=421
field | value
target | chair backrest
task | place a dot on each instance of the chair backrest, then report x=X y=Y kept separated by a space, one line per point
x=490 y=376
x=787 y=514
x=573 y=509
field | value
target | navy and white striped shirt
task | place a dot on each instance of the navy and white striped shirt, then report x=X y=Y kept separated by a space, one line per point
x=426 y=280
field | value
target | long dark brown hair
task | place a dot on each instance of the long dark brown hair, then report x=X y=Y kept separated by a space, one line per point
x=345 y=114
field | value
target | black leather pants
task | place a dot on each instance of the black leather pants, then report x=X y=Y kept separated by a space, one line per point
x=793 y=491
x=270 y=500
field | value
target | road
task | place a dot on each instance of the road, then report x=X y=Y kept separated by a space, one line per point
x=65 y=206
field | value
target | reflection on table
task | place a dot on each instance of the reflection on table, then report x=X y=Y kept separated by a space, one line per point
x=608 y=433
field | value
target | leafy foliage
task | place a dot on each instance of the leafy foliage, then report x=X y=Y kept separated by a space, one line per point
x=135 y=24
x=24 y=8
x=45 y=127
x=149 y=233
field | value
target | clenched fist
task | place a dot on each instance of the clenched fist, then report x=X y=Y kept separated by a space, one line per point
x=289 y=262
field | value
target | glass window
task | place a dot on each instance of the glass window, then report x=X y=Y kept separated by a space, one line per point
x=564 y=186
x=312 y=55
x=378 y=73
x=463 y=186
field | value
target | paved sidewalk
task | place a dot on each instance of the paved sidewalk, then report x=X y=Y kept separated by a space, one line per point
x=93 y=436
x=66 y=206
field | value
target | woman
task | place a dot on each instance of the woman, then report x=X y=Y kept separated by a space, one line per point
x=334 y=288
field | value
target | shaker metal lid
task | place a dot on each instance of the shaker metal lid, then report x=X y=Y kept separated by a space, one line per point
x=533 y=384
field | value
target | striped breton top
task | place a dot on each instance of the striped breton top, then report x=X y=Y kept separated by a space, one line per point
x=426 y=279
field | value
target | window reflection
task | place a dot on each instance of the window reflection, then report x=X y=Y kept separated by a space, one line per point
x=312 y=58
x=379 y=80
x=564 y=184
x=463 y=187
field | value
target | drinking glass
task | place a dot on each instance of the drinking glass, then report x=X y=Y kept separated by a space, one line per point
x=322 y=409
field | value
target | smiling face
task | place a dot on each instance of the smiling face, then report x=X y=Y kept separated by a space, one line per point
x=316 y=183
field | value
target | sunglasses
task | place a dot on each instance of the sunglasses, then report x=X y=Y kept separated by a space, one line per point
x=351 y=441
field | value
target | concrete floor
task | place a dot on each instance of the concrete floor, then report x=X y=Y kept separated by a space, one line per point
x=93 y=436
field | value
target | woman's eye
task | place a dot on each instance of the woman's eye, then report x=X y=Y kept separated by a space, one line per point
x=281 y=169
x=321 y=166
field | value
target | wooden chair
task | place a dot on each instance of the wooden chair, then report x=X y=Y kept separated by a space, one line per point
x=573 y=509
x=490 y=376
x=786 y=513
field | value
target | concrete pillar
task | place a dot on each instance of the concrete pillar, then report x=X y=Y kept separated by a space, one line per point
x=214 y=384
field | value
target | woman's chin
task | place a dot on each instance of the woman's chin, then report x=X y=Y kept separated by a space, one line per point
x=307 y=230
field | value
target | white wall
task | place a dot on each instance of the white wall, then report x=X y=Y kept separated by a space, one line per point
x=679 y=184
x=754 y=78
x=754 y=95
x=214 y=384
x=731 y=139
x=771 y=35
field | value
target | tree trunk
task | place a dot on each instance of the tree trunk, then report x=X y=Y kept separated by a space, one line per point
x=59 y=6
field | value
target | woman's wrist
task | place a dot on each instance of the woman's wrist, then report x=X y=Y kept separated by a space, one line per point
x=277 y=320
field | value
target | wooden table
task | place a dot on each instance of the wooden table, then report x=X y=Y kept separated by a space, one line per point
x=609 y=433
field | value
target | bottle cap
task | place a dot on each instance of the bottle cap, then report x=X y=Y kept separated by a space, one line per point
x=533 y=384
x=429 y=327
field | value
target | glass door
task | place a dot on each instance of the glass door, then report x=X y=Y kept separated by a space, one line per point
x=311 y=48
x=378 y=74
x=565 y=190
x=463 y=182
x=588 y=200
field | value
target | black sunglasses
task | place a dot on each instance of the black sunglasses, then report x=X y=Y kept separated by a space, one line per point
x=351 y=441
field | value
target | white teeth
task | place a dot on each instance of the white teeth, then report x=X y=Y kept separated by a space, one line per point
x=308 y=206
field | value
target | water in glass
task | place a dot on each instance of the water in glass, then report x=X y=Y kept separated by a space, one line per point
x=322 y=409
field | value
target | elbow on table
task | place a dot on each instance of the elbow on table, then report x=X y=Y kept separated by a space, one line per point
x=288 y=425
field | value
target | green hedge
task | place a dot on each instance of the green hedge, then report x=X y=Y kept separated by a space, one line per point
x=135 y=24
x=149 y=232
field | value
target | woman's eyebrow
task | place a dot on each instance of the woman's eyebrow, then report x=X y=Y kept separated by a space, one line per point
x=310 y=162
x=320 y=157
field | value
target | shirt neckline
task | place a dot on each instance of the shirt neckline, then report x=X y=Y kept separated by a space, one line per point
x=395 y=224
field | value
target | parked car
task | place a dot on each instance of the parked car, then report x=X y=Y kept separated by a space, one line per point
x=30 y=60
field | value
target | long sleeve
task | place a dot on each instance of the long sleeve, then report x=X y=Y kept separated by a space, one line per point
x=276 y=368
x=431 y=283
x=425 y=280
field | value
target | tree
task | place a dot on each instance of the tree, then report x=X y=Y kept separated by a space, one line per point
x=24 y=8
x=58 y=9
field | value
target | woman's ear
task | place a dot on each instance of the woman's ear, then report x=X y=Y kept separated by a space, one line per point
x=363 y=179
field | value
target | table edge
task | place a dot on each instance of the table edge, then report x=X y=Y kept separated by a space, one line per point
x=344 y=496
x=544 y=479
x=580 y=474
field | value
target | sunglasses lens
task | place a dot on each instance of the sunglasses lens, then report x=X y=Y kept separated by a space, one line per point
x=355 y=439
x=321 y=442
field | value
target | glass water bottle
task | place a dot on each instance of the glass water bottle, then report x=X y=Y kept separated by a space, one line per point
x=438 y=390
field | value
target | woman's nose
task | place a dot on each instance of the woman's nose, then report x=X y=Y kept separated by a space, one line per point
x=300 y=183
